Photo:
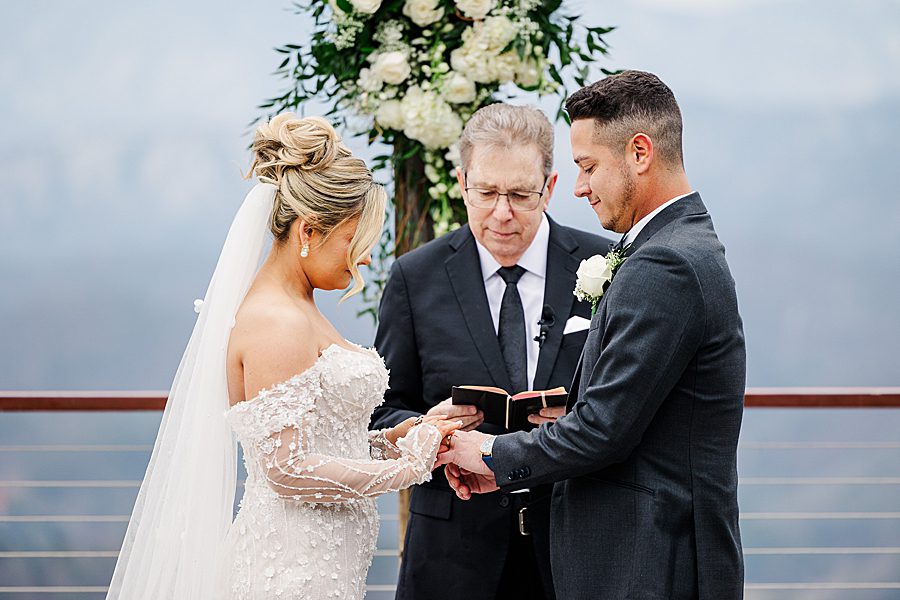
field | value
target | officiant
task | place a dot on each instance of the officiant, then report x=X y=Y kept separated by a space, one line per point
x=488 y=304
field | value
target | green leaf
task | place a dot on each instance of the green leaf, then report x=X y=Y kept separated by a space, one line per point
x=345 y=5
x=554 y=74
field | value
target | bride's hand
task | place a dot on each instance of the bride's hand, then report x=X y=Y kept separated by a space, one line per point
x=398 y=431
x=447 y=429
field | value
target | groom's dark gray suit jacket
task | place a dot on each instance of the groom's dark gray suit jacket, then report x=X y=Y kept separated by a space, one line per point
x=435 y=331
x=645 y=507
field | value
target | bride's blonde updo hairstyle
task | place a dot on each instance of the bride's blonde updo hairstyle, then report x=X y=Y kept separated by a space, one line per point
x=318 y=181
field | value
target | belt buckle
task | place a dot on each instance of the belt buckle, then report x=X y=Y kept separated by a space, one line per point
x=522 y=529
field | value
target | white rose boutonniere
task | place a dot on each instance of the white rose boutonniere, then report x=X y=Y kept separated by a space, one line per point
x=595 y=274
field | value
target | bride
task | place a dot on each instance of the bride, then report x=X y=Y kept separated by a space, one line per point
x=264 y=365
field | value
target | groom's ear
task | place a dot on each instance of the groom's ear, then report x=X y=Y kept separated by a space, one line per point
x=640 y=152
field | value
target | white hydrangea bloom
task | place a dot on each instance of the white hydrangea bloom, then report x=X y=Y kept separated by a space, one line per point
x=390 y=115
x=368 y=80
x=495 y=32
x=428 y=119
x=479 y=57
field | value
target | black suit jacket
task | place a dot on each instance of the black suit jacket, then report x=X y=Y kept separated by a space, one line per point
x=646 y=504
x=435 y=331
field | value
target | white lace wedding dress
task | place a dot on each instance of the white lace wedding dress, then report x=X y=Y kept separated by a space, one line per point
x=308 y=523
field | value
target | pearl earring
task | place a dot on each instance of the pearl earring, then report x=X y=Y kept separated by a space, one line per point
x=304 y=251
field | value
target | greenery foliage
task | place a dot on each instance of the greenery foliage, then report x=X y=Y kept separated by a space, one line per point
x=409 y=74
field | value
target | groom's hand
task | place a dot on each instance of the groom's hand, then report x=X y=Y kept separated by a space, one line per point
x=465 y=451
x=470 y=416
x=547 y=415
x=465 y=483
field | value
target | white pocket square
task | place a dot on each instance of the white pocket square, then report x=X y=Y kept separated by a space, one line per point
x=575 y=324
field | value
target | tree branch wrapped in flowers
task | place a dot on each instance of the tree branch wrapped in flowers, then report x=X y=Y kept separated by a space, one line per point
x=410 y=73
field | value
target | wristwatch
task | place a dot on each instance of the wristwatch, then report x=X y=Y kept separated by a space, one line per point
x=487 y=447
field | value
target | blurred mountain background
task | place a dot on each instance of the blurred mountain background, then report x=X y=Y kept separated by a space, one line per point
x=125 y=134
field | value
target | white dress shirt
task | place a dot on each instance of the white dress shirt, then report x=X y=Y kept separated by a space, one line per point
x=530 y=286
x=636 y=229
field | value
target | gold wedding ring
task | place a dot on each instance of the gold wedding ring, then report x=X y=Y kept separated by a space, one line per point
x=448 y=439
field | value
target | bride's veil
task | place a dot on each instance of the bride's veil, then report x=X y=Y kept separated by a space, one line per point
x=184 y=506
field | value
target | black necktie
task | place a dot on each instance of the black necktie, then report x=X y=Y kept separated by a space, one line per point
x=511 y=332
x=621 y=243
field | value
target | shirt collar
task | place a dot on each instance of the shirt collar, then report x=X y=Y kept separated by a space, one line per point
x=636 y=229
x=533 y=260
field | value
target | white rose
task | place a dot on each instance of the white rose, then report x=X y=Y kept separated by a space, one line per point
x=495 y=33
x=368 y=7
x=475 y=9
x=423 y=12
x=459 y=89
x=391 y=67
x=390 y=115
x=593 y=274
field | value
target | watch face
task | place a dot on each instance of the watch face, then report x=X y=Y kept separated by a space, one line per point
x=486 y=446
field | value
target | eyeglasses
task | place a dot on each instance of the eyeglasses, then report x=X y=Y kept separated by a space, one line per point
x=518 y=199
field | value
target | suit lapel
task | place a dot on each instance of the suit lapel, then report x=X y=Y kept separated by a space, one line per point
x=558 y=287
x=464 y=272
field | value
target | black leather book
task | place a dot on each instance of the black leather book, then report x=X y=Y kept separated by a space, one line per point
x=505 y=410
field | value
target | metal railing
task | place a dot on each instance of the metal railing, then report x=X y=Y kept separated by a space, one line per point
x=877 y=519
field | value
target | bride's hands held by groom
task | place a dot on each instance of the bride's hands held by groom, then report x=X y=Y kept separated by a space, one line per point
x=443 y=423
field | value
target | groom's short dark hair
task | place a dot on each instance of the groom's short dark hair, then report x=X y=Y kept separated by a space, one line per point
x=627 y=103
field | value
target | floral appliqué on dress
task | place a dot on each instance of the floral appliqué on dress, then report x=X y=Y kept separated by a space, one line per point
x=308 y=523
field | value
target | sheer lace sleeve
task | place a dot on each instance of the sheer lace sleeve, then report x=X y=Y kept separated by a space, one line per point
x=289 y=430
x=381 y=448
x=293 y=471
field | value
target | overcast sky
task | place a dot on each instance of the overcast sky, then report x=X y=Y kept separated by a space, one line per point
x=124 y=135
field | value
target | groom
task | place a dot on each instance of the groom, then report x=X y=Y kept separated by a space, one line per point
x=645 y=501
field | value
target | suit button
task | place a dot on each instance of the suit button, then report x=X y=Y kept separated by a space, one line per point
x=504 y=501
x=511 y=475
x=526 y=471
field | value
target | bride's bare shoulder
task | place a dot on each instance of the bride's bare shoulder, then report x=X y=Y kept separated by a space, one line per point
x=273 y=340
